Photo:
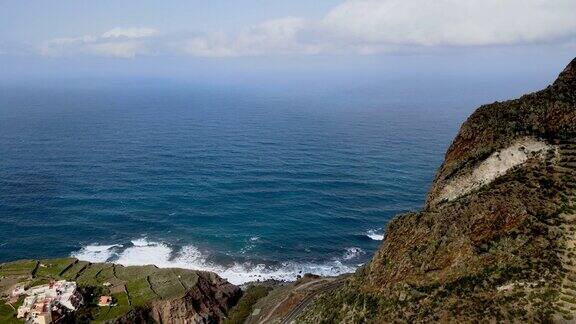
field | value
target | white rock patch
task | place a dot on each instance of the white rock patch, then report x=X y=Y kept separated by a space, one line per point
x=493 y=167
x=520 y=284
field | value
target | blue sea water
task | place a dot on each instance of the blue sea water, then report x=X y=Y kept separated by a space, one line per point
x=250 y=182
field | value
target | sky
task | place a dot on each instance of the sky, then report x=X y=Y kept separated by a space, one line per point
x=151 y=37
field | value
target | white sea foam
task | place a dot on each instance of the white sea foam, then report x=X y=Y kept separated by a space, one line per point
x=142 y=242
x=145 y=252
x=251 y=244
x=96 y=253
x=375 y=235
x=352 y=253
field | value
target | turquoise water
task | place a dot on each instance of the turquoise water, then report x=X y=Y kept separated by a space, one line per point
x=249 y=182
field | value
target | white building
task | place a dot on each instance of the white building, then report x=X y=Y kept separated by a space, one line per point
x=44 y=300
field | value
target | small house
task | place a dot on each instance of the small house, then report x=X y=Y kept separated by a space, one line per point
x=105 y=301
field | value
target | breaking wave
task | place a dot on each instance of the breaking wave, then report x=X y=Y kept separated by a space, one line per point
x=376 y=235
x=143 y=252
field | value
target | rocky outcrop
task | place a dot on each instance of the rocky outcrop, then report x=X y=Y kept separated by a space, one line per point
x=207 y=302
x=548 y=114
x=497 y=238
x=493 y=167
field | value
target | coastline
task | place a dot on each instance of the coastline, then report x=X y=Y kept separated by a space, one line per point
x=144 y=252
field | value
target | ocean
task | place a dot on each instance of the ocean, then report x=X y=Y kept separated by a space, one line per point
x=252 y=182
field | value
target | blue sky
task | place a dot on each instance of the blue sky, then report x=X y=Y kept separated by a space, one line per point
x=85 y=37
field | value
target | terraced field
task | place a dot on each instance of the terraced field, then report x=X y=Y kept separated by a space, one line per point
x=129 y=286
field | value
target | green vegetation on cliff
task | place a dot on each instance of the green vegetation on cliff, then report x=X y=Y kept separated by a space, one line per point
x=243 y=309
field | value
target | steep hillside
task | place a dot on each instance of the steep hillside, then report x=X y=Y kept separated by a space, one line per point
x=141 y=294
x=497 y=238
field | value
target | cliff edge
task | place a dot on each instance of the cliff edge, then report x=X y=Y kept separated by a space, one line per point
x=496 y=240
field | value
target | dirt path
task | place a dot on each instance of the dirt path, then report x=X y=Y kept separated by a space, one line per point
x=314 y=287
x=296 y=311
x=267 y=318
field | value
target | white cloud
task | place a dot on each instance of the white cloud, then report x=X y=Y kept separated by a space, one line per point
x=117 y=42
x=130 y=33
x=119 y=49
x=376 y=26
x=274 y=37
x=451 y=22
x=354 y=26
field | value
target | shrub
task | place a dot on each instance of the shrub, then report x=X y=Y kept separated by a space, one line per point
x=242 y=310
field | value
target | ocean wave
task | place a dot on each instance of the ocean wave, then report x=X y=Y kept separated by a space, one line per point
x=353 y=253
x=143 y=252
x=96 y=253
x=376 y=235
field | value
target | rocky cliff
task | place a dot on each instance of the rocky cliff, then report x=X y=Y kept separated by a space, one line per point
x=496 y=240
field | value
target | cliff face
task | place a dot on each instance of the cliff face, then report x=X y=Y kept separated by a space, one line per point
x=206 y=302
x=496 y=238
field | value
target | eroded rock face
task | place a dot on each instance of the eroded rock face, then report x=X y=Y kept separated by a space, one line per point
x=497 y=237
x=493 y=167
x=207 y=302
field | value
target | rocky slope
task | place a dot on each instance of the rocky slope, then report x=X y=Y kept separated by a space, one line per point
x=496 y=240
x=141 y=294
